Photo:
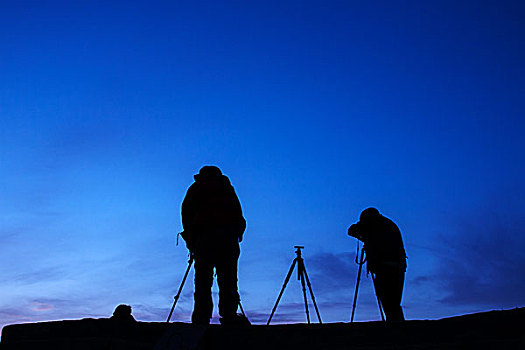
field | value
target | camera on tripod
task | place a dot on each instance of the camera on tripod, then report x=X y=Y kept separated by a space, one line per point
x=353 y=231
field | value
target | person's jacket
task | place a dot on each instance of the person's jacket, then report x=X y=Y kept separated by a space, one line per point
x=383 y=242
x=211 y=211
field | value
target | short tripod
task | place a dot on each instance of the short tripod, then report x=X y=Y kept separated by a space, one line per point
x=176 y=297
x=302 y=276
x=360 y=261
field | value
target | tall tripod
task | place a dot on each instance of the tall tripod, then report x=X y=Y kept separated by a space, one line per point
x=302 y=276
x=360 y=261
x=176 y=297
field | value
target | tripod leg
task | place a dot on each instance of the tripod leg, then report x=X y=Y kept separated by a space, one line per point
x=242 y=310
x=282 y=289
x=377 y=296
x=311 y=294
x=301 y=276
x=361 y=262
x=180 y=289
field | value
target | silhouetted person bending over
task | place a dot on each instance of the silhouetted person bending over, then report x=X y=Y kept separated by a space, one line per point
x=213 y=227
x=386 y=258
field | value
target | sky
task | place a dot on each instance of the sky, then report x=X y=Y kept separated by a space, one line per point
x=315 y=110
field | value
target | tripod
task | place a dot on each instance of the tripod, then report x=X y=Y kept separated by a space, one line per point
x=176 y=297
x=360 y=262
x=302 y=276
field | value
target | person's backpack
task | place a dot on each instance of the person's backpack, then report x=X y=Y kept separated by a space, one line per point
x=188 y=239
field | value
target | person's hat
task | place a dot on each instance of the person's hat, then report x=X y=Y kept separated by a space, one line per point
x=208 y=171
x=369 y=213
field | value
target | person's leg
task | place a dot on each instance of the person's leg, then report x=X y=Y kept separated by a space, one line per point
x=397 y=294
x=203 y=303
x=227 y=281
x=389 y=288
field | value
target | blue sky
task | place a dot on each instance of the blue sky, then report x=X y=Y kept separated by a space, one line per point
x=314 y=109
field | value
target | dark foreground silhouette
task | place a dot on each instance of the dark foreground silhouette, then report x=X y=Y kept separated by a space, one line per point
x=122 y=313
x=488 y=330
x=385 y=260
x=213 y=227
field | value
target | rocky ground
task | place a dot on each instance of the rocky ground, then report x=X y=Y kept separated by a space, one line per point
x=488 y=330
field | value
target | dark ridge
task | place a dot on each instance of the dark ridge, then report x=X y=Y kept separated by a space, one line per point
x=487 y=330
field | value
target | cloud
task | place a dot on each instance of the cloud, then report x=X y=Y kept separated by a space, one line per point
x=485 y=263
x=419 y=281
x=45 y=309
x=331 y=274
x=290 y=313
x=145 y=312
x=8 y=237
x=39 y=276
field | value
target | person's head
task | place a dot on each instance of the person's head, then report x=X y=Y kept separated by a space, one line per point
x=208 y=171
x=369 y=214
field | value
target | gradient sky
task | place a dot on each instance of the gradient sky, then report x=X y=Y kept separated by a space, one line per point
x=314 y=109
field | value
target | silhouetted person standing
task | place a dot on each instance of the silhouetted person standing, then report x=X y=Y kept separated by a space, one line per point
x=386 y=258
x=213 y=227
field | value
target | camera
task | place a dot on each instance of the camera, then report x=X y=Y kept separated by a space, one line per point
x=353 y=231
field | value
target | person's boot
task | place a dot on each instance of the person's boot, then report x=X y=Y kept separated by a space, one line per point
x=235 y=319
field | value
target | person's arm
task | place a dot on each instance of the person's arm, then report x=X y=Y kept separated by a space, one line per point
x=238 y=209
x=187 y=215
x=188 y=209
